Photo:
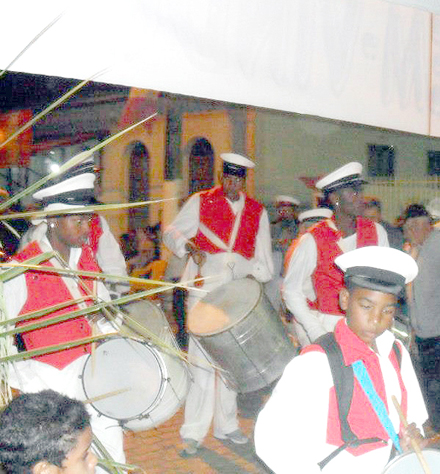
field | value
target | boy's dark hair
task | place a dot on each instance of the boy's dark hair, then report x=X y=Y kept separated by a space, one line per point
x=42 y=426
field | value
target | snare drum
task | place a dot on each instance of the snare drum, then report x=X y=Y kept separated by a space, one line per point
x=148 y=384
x=409 y=463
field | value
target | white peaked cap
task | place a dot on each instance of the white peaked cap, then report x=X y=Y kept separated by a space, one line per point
x=82 y=181
x=378 y=268
x=322 y=212
x=238 y=160
x=346 y=175
x=291 y=200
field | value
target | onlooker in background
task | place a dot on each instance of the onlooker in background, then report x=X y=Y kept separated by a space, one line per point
x=434 y=211
x=312 y=283
x=11 y=230
x=373 y=211
x=46 y=433
x=284 y=230
x=423 y=243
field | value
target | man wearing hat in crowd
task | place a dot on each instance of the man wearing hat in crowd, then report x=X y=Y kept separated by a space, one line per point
x=33 y=291
x=284 y=230
x=312 y=282
x=225 y=235
x=306 y=220
x=423 y=243
x=325 y=397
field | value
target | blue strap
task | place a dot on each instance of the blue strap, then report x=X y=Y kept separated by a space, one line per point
x=364 y=379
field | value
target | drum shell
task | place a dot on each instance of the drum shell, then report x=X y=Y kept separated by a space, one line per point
x=253 y=352
x=177 y=374
x=163 y=402
x=408 y=463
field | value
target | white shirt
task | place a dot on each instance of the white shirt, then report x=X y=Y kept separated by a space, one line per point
x=298 y=284
x=290 y=433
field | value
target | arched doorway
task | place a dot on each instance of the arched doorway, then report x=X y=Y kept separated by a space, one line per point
x=201 y=166
x=139 y=189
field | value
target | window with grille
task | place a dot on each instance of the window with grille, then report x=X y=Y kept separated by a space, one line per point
x=434 y=163
x=381 y=161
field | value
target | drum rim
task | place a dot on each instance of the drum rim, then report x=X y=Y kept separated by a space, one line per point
x=239 y=320
x=159 y=396
x=396 y=459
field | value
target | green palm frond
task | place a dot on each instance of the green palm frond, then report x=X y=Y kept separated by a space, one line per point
x=33 y=40
x=55 y=348
x=79 y=158
x=13 y=270
x=106 y=460
x=81 y=210
x=43 y=312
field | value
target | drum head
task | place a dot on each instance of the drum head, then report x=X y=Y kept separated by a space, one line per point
x=224 y=307
x=130 y=367
x=409 y=463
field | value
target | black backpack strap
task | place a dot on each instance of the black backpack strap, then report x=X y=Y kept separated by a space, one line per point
x=398 y=351
x=343 y=380
x=353 y=444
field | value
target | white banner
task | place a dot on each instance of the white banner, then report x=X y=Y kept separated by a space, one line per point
x=364 y=61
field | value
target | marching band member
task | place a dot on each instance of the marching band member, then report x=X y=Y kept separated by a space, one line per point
x=226 y=235
x=320 y=414
x=312 y=282
x=33 y=290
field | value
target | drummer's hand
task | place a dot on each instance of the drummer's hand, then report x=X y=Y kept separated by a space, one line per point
x=412 y=433
x=196 y=254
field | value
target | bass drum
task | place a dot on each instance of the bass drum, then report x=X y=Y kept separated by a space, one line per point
x=243 y=334
x=409 y=463
x=146 y=383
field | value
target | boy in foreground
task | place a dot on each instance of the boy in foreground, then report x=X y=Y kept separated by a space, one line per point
x=299 y=429
x=46 y=433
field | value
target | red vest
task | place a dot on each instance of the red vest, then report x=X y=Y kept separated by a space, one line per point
x=95 y=233
x=328 y=279
x=216 y=214
x=362 y=419
x=45 y=290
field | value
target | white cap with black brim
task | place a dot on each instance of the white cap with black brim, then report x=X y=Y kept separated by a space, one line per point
x=235 y=164
x=348 y=175
x=381 y=269
x=75 y=191
x=315 y=214
x=283 y=199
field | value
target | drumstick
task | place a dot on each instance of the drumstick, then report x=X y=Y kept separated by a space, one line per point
x=106 y=395
x=414 y=442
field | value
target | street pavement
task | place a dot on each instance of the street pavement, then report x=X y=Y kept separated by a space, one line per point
x=158 y=451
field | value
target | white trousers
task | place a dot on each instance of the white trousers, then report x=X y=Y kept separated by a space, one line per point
x=30 y=376
x=209 y=399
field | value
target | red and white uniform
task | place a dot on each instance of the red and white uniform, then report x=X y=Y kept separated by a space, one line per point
x=251 y=253
x=58 y=371
x=299 y=426
x=203 y=215
x=312 y=282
